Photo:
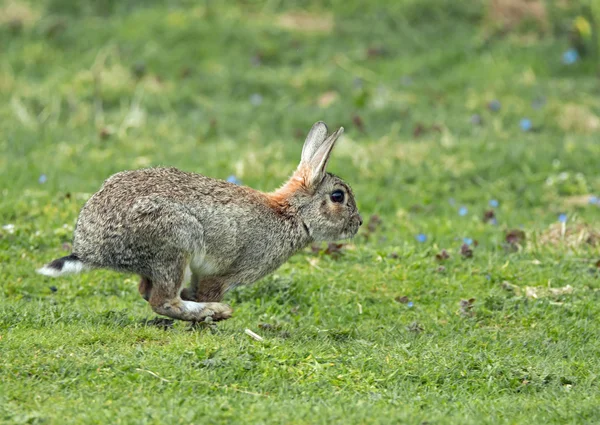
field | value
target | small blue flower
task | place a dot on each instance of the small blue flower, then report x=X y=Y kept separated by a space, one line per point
x=468 y=241
x=562 y=218
x=409 y=304
x=494 y=105
x=476 y=119
x=233 y=179
x=43 y=179
x=256 y=99
x=421 y=237
x=594 y=200
x=493 y=221
x=463 y=211
x=494 y=203
x=525 y=124
x=570 y=56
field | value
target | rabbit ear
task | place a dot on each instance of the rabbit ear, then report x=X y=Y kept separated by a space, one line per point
x=316 y=151
x=316 y=136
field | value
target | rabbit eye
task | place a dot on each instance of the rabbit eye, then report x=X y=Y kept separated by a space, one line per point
x=337 y=196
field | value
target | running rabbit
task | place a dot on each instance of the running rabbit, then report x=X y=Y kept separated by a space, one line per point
x=157 y=222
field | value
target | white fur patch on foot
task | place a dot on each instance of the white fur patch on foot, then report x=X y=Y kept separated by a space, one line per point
x=192 y=307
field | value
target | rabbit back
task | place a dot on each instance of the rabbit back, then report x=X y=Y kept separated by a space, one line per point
x=142 y=219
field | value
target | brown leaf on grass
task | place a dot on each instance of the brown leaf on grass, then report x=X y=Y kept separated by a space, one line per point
x=358 y=122
x=106 y=132
x=376 y=52
x=374 y=223
x=598 y=264
x=488 y=216
x=466 y=251
x=418 y=130
x=466 y=307
x=571 y=235
x=333 y=249
x=442 y=255
x=402 y=300
x=305 y=22
x=515 y=239
x=327 y=98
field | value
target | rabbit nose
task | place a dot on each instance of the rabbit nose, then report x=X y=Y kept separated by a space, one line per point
x=360 y=222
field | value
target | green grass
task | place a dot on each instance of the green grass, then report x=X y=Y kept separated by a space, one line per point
x=90 y=88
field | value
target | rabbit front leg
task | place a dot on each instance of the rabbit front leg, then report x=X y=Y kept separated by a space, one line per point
x=165 y=299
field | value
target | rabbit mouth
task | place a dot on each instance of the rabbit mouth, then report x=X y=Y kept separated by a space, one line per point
x=349 y=234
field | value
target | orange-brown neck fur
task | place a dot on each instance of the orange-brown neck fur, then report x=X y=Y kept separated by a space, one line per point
x=280 y=199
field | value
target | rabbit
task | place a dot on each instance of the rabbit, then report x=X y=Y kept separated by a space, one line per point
x=158 y=222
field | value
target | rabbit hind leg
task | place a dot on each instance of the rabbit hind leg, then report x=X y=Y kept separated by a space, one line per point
x=205 y=288
x=145 y=288
x=165 y=299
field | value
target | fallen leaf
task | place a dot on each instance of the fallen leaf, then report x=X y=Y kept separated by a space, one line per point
x=376 y=52
x=418 y=130
x=466 y=307
x=442 y=255
x=358 y=122
x=402 y=300
x=488 y=216
x=466 y=251
x=515 y=239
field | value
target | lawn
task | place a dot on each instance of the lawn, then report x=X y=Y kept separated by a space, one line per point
x=471 y=295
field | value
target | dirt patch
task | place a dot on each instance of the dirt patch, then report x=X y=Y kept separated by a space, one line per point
x=18 y=14
x=572 y=235
x=578 y=118
x=509 y=14
x=305 y=22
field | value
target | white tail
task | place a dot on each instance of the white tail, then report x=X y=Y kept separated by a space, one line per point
x=66 y=265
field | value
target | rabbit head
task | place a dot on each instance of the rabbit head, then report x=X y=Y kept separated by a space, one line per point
x=323 y=201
